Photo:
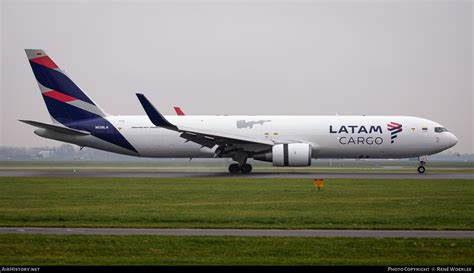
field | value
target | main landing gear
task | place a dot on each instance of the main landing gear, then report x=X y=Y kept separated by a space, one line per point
x=241 y=166
x=421 y=169
x=244 y=168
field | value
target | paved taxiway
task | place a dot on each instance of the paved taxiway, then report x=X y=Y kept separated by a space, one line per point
x=190 y=174
x=451 y=234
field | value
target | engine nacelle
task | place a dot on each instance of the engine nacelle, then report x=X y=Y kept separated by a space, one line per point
x=292 y=154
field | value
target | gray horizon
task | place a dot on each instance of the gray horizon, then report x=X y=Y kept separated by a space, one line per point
x=245 y=58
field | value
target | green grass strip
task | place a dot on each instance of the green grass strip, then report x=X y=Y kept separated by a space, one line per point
x=237 y=203
x=156 y=250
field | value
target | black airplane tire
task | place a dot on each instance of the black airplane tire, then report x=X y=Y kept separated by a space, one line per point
x=246 y=168
x=234 y=168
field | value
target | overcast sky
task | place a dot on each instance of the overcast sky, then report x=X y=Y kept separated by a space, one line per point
x=255 y=57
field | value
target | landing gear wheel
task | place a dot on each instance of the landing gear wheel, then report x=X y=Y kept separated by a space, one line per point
x=421 y=169
x=246 y=168
x=234 y=168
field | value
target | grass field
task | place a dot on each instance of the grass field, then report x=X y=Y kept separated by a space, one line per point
x=236 y=203
x=143 y=250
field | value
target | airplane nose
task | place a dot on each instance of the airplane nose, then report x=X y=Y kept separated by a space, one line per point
x=452 y=140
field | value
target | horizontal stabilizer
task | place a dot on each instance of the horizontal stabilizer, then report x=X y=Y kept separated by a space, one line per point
x=59 y=129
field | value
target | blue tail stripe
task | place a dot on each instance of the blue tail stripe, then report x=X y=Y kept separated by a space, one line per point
x=108 y=132
x=57 y=81
x=65 y=113
x=77 y=118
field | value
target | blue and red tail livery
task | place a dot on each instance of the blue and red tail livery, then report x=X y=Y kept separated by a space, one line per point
x=60 y=93
x=67 y=103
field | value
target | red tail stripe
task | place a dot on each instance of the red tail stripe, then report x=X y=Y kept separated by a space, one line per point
x=45 y=61
x=58 y=96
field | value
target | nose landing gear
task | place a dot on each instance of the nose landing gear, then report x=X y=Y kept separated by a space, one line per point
x=421 y=169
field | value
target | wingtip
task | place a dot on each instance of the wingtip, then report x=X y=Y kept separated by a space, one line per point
x=141 y=98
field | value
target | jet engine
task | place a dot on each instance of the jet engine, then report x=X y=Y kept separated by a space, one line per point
x=291 y=154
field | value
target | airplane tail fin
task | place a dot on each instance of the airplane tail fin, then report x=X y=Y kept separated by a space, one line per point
x=66 y=102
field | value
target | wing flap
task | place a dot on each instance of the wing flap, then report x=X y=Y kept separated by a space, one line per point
x=201 y=140
x=224 y=136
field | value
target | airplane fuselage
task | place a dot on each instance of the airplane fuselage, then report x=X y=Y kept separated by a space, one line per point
x=329 y=136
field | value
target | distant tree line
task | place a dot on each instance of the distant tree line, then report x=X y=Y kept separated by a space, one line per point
x=62 y=152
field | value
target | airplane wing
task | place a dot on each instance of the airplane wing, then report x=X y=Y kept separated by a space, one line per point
x=59 y=129
x=203 y=137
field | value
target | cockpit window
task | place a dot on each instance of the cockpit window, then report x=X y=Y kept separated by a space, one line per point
x=440 y=129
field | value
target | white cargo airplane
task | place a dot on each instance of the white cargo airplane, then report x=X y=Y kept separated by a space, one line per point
x=283 y=140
